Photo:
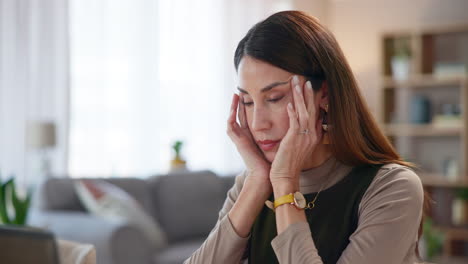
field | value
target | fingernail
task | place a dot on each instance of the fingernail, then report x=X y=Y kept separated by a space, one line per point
x=295 y=79
x=298 y=89
x=289 y=105
x=309 y=85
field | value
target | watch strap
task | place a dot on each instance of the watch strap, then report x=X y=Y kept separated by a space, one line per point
x=285 y=199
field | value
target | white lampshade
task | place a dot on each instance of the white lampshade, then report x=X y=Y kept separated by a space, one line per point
x=41 y=135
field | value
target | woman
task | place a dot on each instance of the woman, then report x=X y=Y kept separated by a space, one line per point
x=305 y=132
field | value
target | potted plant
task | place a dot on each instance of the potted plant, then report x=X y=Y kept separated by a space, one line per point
x=9 y=201
x=433 y=240
x=178 y=163
x=401 y=59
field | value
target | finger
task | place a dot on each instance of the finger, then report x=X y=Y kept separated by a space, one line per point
x=293 y=122
x=309 y=95
x=232 y=126
x=310 y=102
x=241 y=113
x=299 y=104
x=232 y=113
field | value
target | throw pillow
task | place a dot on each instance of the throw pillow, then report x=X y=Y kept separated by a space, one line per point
x=106 y=200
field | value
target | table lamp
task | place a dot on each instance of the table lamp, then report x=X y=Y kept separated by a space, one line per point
x=41 y=137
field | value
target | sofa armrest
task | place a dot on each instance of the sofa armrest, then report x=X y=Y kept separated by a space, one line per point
x=115 y=240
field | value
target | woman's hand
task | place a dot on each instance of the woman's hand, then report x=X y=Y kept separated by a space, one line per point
x=258 y=168
x=296 y=147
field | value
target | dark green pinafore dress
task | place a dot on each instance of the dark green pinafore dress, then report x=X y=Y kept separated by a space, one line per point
x=332 y=221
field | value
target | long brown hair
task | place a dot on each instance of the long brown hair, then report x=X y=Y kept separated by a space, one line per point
x=298 y=43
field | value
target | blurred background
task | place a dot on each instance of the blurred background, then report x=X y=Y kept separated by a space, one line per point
x=132 y=89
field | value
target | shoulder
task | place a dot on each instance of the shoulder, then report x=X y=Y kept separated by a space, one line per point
x=394 y=174
x=394 y=182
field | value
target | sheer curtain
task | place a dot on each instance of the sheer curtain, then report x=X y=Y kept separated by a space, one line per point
x=33 y=82
x=113 y=130
x=147 y=73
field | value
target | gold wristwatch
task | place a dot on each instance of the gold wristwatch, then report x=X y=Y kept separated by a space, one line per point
x=296 y=199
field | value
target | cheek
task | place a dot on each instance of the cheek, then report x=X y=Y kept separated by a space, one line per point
x=279 y=117
x=282 y=117
x=282 y=121
x=248 y=116
x=278 y=114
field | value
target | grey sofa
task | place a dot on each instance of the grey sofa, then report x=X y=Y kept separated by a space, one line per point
x=186 y=204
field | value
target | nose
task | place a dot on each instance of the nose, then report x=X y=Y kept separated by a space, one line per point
x=261 y=119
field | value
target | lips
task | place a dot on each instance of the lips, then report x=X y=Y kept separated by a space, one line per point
x=268 y=144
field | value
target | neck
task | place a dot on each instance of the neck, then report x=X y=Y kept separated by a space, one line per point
x=321 y=154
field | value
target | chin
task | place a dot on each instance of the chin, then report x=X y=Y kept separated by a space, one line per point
x=270 y=156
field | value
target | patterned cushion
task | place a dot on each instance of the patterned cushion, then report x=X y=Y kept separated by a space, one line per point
x=106 y=200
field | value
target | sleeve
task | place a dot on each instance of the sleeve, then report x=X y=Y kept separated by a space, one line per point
x=389 y=215
x=223 y=244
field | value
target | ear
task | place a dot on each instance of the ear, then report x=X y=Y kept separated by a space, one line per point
x=323 y=94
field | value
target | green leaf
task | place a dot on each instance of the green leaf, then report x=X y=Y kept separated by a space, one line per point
x=462 y=193
x=3 y=214
x=21 y=206
x=433 y=238
x=3 y=202
x=177 y=147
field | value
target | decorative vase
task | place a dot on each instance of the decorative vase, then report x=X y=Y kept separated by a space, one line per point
x=178 y=164
x=459 y=212
x=400 y=68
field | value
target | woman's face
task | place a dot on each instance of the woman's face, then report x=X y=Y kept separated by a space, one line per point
x=265 y=91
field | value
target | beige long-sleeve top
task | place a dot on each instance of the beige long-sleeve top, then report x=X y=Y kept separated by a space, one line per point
x=389 y=215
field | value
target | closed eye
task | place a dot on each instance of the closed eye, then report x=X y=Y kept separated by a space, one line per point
x=274 y=100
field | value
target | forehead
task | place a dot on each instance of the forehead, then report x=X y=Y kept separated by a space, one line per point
x=254 y=74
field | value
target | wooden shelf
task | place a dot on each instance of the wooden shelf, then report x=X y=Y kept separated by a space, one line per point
x=439 y=180
x=453 y=234
x=449 y=260
x=443 y=99
x=460 y=232
x=431 y=30
x=424 y=80
x=422 y=130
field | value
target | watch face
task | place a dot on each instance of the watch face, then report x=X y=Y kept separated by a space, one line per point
x=299 y=200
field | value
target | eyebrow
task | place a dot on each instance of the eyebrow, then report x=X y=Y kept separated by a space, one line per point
x=266 y=88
